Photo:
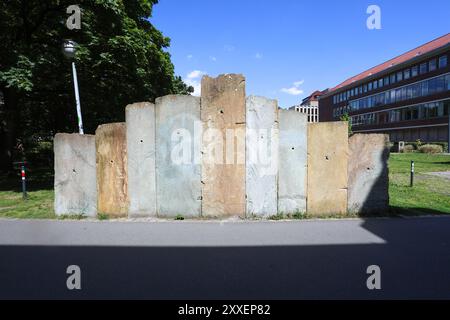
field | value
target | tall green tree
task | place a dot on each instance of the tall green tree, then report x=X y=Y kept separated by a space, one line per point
x=121 y=58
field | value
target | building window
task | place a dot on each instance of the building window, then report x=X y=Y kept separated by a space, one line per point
x=443 y=61
x=392 y=78
x=407 y=74
x=380 y=83
x=369 y=86
x=423 y=68
x=375 y=85
x=365 y=88
x=386 y=81
x=399 y=76
x=360 y=90
x=414 y=71
x=432 y=65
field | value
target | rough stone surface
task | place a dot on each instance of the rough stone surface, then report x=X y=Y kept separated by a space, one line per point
x=261 y=156
x=178 y=167
x=75 y=178
x=368 y=179
x=140 y=120
x=112 y=181
x=223 y=164
x=327 y=168
x=292 y=162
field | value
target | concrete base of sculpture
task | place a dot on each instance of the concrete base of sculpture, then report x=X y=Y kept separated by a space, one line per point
x=75 y=183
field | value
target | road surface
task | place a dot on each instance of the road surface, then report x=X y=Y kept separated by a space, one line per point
x=310 y=259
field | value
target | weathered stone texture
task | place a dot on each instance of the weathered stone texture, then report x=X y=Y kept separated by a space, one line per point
x=178 y=167
x=327 y=168
x=140 y=124
x=223 y=175
x=75 y=182
x=292 y=162
x=368 y=179
x=261 y=156
x=111 y=157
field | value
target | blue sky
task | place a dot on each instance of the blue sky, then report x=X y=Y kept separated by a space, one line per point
x=289 y=48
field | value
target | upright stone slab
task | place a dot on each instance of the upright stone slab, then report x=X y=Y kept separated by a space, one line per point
x=292 y=162
x=368 y=179
x=223 y=147
x=178 y=167
x=140 y=120
x=261 y=156
x=327 y=168
x=112 y=181
x=75 y=178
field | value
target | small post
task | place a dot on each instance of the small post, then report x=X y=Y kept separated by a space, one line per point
x=412 y=174
x=24 y=186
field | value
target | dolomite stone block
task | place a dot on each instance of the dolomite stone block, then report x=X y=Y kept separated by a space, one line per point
x=223 y=146
x=327 y=168
x=261 y=156
x=140 y=126
x=75 y=177
x=111 y=157
x=178 y=167
x=292 y=162
x=368 y=178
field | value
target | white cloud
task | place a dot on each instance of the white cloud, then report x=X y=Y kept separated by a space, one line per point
x=212 y=58
x=193 y=79
x=195 y=74
x=294 y=90
x=258 y=55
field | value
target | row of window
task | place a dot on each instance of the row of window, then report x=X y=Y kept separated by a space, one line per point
x=405 y=74
x=415 y=90
x=417 y=112
x=411 y=91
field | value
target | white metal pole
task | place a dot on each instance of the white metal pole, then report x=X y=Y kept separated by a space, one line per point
x=77 y=98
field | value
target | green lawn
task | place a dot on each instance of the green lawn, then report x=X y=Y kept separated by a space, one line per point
x=430 y=194
x=39 y=203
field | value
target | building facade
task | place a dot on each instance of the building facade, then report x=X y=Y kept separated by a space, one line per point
x=407 y=97
x=310 y=106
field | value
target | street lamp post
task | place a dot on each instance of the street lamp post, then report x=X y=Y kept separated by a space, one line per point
x=69 y=52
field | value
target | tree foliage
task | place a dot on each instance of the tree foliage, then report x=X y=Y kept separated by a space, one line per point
x=121 y=58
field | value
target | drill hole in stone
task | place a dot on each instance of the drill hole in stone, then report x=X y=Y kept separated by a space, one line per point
x=221 y=111
x=142 y=141
x=292 y=148
x=326 y=158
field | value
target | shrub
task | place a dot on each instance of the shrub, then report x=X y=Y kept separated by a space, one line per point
x=431 y=148
x=408 y=148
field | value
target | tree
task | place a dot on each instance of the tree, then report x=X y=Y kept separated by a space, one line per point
x=346 y=117
x=121 y=58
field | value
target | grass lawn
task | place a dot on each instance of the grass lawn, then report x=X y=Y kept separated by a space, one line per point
x=39 y=203
x=430 y=194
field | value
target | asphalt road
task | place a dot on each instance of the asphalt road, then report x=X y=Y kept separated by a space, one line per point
x=226 y=260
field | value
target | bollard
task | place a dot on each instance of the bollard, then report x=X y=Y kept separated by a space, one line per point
x=412 y=174
x=24 y=186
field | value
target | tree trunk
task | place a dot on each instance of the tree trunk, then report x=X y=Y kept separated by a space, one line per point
x=9 y=124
